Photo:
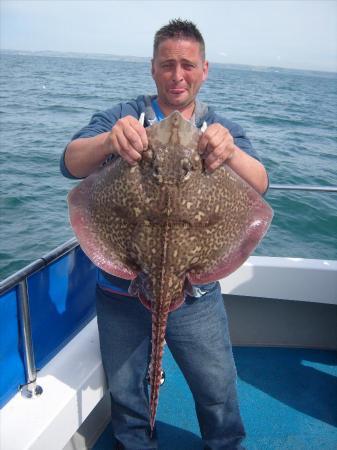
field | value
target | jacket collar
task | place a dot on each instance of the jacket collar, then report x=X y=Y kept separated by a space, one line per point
x=199 y=115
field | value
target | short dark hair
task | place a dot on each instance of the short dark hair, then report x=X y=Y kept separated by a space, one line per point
x=179 y=29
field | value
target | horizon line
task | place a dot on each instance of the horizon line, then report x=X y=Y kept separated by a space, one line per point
x=114 y=55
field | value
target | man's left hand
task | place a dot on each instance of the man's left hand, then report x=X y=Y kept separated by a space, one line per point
x=216 y=145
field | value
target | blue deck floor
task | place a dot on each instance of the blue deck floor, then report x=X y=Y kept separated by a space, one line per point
x=288 y=400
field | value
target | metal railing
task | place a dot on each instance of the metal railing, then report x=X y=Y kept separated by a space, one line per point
x=302 y=187
x=19 y=280
x=37 y=265
x=30 y=389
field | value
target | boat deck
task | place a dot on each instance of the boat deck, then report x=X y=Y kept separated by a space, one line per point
x=288 y=401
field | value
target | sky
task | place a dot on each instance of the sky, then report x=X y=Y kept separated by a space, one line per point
x=284 y=33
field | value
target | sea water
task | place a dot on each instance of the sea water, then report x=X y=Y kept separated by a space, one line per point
x=290 y=117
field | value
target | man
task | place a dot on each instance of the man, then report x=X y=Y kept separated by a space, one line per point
x=197 y=333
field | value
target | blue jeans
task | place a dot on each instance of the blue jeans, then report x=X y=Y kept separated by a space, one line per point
x=197 y=336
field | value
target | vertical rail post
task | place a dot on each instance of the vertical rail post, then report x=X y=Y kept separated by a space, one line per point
x=31 y=389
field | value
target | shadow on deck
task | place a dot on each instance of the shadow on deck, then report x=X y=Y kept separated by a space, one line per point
x=288 y=401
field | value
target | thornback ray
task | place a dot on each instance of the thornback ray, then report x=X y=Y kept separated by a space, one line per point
x=166 y=223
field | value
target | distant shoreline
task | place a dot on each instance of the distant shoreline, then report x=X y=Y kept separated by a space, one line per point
x=130 y=58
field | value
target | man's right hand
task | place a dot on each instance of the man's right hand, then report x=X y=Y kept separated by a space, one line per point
x=127 y=139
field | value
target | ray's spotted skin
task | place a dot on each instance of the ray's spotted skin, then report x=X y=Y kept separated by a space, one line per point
x=167 y=224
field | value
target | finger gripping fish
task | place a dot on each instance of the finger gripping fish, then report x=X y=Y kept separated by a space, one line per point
x=167 y=224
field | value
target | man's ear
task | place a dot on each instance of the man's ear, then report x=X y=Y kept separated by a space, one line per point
x=205 y=70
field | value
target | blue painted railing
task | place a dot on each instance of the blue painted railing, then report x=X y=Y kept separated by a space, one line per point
x=61 y=301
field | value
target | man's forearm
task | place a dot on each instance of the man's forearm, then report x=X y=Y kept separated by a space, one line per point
x=84 y=155
x=250 y=169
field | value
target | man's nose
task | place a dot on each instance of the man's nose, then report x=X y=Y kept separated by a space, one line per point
x=178 y=73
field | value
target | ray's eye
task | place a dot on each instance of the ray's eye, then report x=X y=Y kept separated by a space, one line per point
x=148 y=155
x=186 y=166
x=156 y=171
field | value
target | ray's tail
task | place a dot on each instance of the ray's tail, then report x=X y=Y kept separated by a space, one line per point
x=159 y=321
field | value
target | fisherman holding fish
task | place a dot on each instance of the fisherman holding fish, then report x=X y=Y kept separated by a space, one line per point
x=197 y=332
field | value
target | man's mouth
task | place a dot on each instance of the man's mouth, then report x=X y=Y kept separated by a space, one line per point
x=176 y=91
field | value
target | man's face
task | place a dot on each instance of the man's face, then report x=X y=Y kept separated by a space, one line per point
x=178 y=71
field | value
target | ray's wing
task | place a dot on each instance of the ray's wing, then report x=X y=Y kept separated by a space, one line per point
x=98 y=218
x=228 y=220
